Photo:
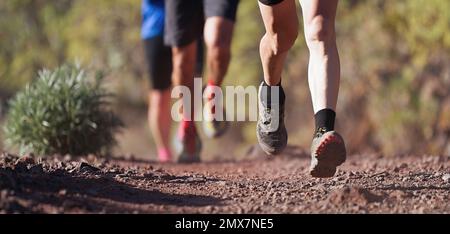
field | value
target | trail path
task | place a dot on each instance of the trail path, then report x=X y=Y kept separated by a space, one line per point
x=365 y=184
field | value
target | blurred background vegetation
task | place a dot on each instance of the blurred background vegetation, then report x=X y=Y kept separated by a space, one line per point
x=395 y=55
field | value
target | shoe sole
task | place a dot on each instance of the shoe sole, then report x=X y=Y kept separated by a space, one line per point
x=330 y=154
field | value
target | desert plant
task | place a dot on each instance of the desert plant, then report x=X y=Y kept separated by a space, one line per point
x=62 y=111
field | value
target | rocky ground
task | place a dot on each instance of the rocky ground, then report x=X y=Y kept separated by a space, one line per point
x=365 y=184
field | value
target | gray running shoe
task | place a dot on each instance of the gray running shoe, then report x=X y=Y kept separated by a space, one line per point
x=270 y=130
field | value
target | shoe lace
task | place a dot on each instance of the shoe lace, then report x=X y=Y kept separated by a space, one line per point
x=320 y=131
x=267 y=116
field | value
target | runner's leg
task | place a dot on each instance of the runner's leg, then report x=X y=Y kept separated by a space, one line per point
x=159 y=60
x=183 y=26
x=281 y=24
x=159 y=120
x=218 y=32
x=328 y=148
x=324 y=66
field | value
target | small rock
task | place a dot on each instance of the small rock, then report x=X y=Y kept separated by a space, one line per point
x=114 y=170
x=379 y=179
x=446 y=177
x=129 y=172
x=84 y=167
x=62 y=192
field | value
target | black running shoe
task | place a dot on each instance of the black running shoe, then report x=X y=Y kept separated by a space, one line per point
x=327 y=152
x=270 y=130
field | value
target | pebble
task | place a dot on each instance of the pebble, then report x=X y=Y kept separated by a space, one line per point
x=114 y=170
x=446 y=177
x=379 y=179
x=62 y=192
x=85 y=167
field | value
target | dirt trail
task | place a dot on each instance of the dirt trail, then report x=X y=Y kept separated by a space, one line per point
x=365 y=184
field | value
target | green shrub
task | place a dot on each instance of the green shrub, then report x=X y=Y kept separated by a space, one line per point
x=62 y=111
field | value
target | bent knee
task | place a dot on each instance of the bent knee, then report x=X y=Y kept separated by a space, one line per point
x=218 y=33
x=183 y=57
x=281 y=42
x=218 y=43
x=319 y=30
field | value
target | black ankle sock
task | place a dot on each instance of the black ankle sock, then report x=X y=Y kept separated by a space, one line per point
x=266 y=96
x=325 y=119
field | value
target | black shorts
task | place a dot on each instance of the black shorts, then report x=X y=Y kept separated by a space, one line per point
x=270 y=2
x=185 y=19
x=159 y=62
